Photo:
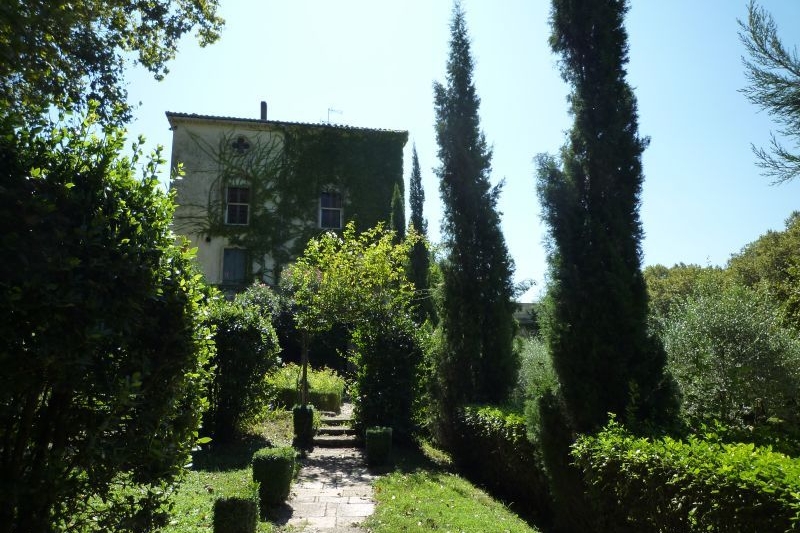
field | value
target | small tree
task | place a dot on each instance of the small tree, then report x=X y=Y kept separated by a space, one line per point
x=103 y=343
x=359 y=280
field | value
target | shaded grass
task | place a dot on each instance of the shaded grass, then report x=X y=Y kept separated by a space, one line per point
x=221 y=470
x=422 y=495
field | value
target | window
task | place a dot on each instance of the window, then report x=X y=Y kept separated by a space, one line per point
x=234 y=265
x=237 y=205
x=330 y=210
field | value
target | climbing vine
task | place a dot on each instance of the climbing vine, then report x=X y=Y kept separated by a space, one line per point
x=285 y=170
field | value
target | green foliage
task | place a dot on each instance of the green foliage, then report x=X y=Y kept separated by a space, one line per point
x=640 y=484
x=773 y=73
x=273 y=470
x=247 y=350
x=772 y=264
x=378 y=445
x=387 y=354
x=419 y=260
x=493 y=449
x=536 y=375
x=303 y=424
x=237 y=509
x=572 y=512
x=477 y=362
x=326 y=387
x=104 y=347
x=598 y=333
x=359 y=280
x=733 y=361
x=264 y=300
x=223 y=471
x=397 y=220
x=668 y=288
x=53 y=54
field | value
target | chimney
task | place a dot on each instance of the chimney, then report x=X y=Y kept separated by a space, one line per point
x=263 y=110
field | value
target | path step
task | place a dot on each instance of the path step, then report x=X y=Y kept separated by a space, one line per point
x=336 y=430
x=335 y=441
x=336 y=421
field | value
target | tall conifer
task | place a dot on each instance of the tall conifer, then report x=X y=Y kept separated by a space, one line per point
x=605 y=359
x=397 y=217
x=419 y=260
x=477 y=361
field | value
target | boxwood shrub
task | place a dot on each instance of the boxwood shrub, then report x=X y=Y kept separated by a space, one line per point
x=378 y=445
x=641 y=484
x=492 y=447
x=236 y=509
x=273 y=469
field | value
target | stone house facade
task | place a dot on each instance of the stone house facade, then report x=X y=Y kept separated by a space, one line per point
x=252 y=192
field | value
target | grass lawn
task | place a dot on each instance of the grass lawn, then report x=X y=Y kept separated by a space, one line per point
x=421 y=496
x=418 y=495
x=221 y=471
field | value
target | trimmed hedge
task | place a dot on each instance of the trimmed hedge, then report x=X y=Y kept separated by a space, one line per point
x=273 y=469
x=640 y=484
x=326 y=388
x=323 y=401
x=237 y=511
x=492 y=447
x=378 y=445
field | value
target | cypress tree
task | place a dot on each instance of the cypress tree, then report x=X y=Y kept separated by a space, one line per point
x=477 y=362
x=419 y=261
x=605 y=359
x=397 y=220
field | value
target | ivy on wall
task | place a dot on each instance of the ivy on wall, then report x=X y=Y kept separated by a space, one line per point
x=286 y=169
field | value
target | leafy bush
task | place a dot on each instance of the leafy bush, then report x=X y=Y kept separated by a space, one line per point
x=237 y=509
x=387 y=355
x=247 y=349
x=378 y=445
x=326 y=387
x=492 y=447
x=640 y=484
x=273 y=469
x=733 y=361
x=102 y=342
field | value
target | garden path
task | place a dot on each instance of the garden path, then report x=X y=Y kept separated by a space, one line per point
x=333 y=491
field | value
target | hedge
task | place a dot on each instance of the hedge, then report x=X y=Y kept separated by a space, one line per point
x=492 y=448
x=640 y=484
x=236 y=509
x=273 y=469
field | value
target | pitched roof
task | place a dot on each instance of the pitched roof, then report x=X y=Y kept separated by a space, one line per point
x=256 y=121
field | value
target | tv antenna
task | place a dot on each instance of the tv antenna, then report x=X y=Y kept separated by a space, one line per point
x=332 y=110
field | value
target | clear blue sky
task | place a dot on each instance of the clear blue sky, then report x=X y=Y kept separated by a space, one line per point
x=374 y=62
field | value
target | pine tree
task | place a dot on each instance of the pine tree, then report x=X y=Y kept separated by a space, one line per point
x=605 y=359
x=397 y=220
x=773 y=73
x=419 y=260
x=477 y=362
